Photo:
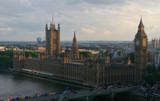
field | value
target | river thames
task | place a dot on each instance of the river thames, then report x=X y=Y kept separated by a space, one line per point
x=15 y=85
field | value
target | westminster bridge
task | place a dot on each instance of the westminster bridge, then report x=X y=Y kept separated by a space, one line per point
x=83 y=95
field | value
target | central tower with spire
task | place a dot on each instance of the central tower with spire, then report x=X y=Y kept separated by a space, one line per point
x=74 y=49
x=53 y=40
x=141 y=47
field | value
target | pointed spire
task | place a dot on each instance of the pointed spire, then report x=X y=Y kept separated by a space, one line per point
x=52 y=25
x=74 y=49
x=46 y=26
x=74 y=33
x=52 y=17
x=58 y=25
x=74 y=38
x=129 y=61
x=141 y=26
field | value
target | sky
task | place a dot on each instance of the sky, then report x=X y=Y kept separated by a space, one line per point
x=108 y=20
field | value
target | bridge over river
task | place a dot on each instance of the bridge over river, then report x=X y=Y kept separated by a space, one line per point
x=70 y=95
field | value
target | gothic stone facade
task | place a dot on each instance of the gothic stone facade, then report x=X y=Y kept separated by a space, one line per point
x=141 y=47
x=53 y=41
x=95 y=71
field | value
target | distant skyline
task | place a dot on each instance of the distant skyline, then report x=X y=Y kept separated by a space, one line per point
x=107 y=20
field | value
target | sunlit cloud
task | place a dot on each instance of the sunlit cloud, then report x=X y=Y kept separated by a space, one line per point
x=89 y=31
x=6 y=29
x=107 y=32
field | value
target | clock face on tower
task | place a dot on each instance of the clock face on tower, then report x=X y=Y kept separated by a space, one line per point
x=144 y=42
x=137 y=43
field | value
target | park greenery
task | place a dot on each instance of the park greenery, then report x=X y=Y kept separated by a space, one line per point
x=153 y=75
x=6 y=58
x=5 y=61
x=33 y=54
x=85 y=54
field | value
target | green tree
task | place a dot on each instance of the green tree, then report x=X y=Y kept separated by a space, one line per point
x=151 y=69
x=85 y=54
x=110 y=55
x=159 y=68
x=8 y=53
x=150 y=79
x=6 y=59
x=119 y=53
x=61 y=54
x=89 y=48
x=33 y=54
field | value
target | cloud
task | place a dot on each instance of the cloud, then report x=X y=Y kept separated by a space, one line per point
x=6 y=29
x=120 y=17
x=107 y=32
x=14 y=8
x=100 y=2
x=89 y=31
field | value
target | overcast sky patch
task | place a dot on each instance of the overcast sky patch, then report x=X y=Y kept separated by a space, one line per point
x=27 y=18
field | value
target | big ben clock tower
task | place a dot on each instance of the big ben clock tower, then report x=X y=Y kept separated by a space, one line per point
x=141 y=46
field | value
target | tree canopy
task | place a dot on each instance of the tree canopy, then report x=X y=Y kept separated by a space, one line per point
x=151 y=69
x=150 y=79
x=85 y=54
x=6 y=59
x=33 y=54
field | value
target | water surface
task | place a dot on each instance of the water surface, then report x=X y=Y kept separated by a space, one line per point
x=15 y=85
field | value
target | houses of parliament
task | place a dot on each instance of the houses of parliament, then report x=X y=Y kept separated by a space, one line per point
x=94 y=70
